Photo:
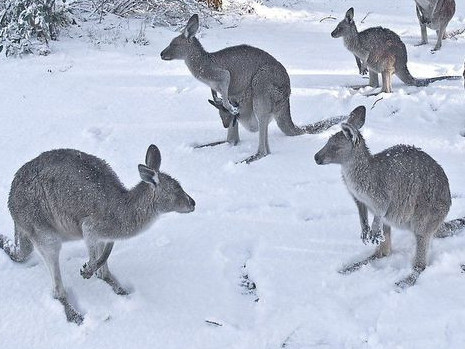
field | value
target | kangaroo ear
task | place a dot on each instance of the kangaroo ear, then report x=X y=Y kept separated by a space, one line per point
x=350 y=15
x=192 y=26
x=148 y=175
x=351 y=133
x=357 y=117
x=153 y=158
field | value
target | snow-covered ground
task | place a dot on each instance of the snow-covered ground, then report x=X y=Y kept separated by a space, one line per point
x=291 y=223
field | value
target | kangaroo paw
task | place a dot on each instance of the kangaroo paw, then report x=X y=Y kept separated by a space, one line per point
x=87 y=271
x=376 y=237
x=365 y=236
x=232 y=109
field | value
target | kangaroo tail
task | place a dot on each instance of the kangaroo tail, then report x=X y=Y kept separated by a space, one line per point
x=324 y=124
x=450 y=228
x=404 y=74
x=285 y=123
x=19 y=250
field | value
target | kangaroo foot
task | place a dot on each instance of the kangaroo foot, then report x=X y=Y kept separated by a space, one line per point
x=409 y=280
x=375 y=93
x=115 y=285
x=252 y=158
x=72 y=315
x=212 y=144
x=356 y=266
x=358 y=87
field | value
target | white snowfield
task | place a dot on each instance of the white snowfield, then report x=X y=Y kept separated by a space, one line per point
x=291 y=223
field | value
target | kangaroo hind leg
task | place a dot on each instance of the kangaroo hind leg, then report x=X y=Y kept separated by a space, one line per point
x=262 y=106
x=49 y=249
x=419 y=264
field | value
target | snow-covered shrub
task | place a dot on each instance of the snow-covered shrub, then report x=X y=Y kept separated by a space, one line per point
x=27 y=26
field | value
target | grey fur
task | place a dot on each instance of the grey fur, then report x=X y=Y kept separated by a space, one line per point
x=65 y=195
x=401 y=186
x=254 y=87
x=436 y=15
x=379 y=50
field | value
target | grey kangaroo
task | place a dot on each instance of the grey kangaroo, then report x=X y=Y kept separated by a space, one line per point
x=436 y=15
x=402 y=186
x=379 y=50
x=254 y=87
x=65 y=194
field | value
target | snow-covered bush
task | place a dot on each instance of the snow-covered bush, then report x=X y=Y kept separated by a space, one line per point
x=27 y=26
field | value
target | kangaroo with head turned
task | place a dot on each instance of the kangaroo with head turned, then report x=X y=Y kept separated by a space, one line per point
x=436 y=15
x=379 y=51
x=65 y=195
x=401 y=186
x=254 y=87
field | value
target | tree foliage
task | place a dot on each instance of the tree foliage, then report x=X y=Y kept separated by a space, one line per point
x=27 y=26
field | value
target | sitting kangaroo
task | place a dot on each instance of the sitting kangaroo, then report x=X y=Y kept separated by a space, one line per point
x=436 y=15
x=401 y=186
x=65 y=195
x=379 y=50
x=255 y=82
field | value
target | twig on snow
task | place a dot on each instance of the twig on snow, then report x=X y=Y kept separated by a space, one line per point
x=376 y=102
x=211 y=322
x=327 y=17
x=454 y=34
x=363 y=19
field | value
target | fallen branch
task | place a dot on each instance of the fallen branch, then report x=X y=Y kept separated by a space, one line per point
x=211 y=322
x=363 y=19
x=327 y=17
x=454 y=34
x=376 y=102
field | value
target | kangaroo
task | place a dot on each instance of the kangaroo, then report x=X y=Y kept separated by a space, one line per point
x=401 y=186
x=254 y=87
x=436 y=15
x=379 y=50
x=65 y=195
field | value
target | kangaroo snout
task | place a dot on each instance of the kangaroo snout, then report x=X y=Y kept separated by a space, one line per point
x=164 y=55
x=191 y=203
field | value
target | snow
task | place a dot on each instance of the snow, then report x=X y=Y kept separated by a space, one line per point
x=290 y=222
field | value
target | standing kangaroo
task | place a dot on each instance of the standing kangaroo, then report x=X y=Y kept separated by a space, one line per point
x=65 y=194
x=401 y=186
x=379 y=50
x=436 y=15
x=249 y=80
